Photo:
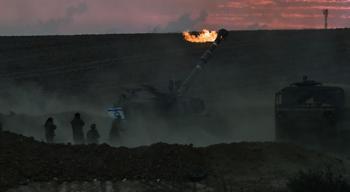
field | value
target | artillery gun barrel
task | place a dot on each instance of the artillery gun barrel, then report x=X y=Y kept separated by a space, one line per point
x=222 y=34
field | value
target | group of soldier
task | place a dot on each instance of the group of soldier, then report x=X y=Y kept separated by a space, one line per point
x=92 y=136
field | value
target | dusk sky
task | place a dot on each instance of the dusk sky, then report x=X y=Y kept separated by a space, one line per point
x=30 y=17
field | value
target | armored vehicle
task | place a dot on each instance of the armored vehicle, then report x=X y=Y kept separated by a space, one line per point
x=309 y=112
x=146 y=103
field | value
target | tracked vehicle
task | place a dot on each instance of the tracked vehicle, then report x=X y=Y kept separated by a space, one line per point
x=309 y=112
x=146 y=104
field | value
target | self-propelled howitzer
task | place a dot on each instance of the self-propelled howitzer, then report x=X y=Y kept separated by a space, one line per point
x=222 y=34
x=146 y=99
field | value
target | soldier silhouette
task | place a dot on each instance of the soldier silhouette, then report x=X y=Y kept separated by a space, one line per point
x=92 y=135
x=2 y=119
x=50 y=128
x=116 y=128
x=77 y=127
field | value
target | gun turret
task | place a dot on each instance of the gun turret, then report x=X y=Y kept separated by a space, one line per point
x=222 y=34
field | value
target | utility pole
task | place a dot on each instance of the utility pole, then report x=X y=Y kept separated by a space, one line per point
x=325 y=13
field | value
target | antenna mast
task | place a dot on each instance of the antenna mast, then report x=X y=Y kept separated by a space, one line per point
x=325 y=13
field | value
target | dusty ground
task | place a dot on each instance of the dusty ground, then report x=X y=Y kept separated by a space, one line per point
x=248 y=166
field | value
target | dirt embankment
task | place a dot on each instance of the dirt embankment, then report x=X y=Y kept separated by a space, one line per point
x=242 y=165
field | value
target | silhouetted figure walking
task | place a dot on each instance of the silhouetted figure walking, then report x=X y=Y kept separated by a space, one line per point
x=77 y=126
x=92 y=135
x=50 y=128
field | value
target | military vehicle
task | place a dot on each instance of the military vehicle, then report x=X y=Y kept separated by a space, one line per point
x=309 y=112
x=149 y=103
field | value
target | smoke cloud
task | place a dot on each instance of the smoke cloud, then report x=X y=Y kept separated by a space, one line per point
x=52 y=25
x=185 y=22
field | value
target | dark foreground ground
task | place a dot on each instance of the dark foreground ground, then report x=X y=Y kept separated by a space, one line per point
x=248 y=166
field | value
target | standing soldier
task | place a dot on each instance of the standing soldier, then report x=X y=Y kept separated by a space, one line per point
x=114 y=134
x=117 y=124
x=50 y=128
x=1 y=122
x=77 y=126
x=92 y=135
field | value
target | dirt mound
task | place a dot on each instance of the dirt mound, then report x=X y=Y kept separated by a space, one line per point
x=24 y=160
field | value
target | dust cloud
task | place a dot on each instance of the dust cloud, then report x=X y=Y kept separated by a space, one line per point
x=229 y=117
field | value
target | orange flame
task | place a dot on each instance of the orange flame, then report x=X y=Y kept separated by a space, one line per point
x=203 y=37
